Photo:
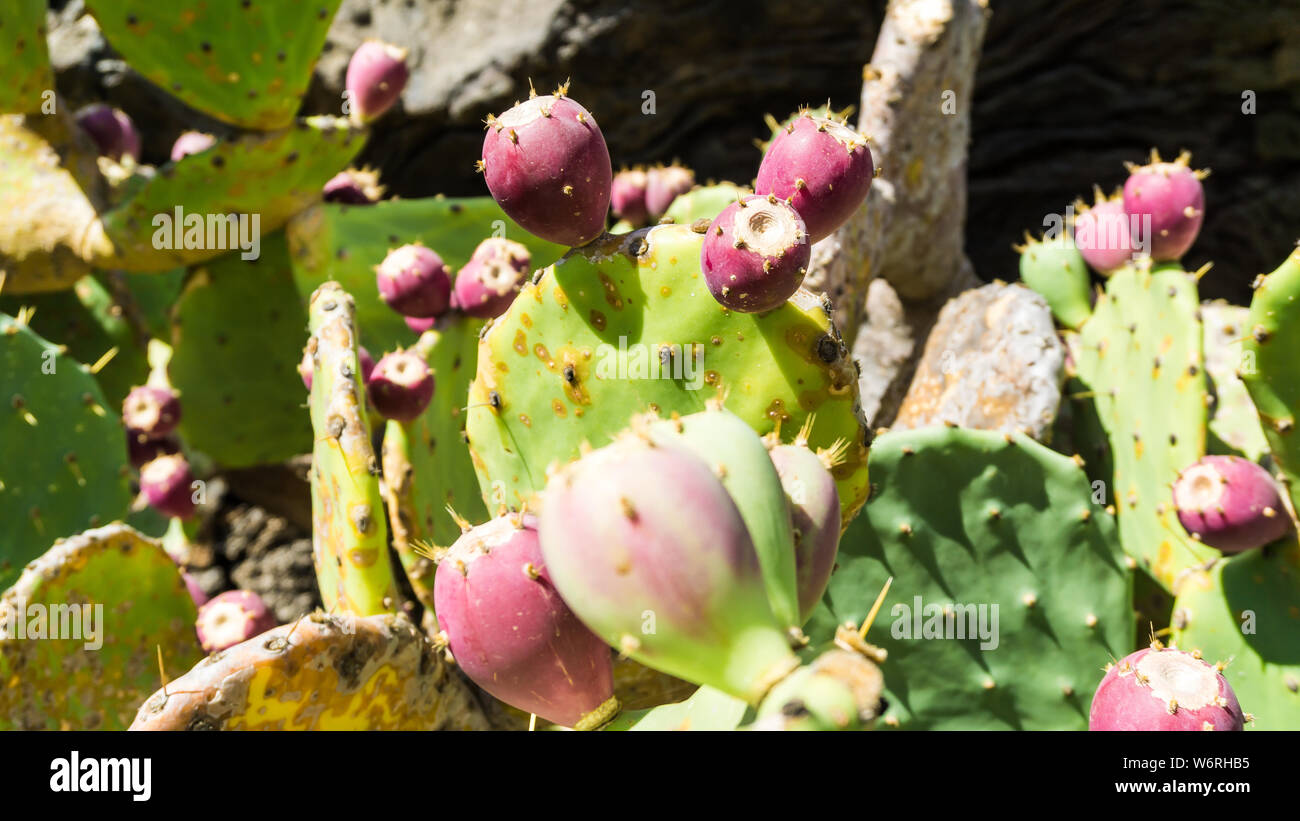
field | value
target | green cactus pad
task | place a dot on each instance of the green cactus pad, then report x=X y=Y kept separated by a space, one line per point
x=976 y=518
x=704 y=202
x=551 y=375
x=1234 y=422
x=268 y=176
x=1245 y=611
x=25 y=73
x=246 y=63
x=1140 y=355
x=349 y=530
x=1078 y=430
x=65 y=463
x=706 y=710
x=1056 y=270
x=1271 y=355
x=237 y=340
x=61 y=683
x=323 y=672
x=344 y=243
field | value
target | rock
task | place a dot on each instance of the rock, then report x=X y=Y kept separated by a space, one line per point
x=992 y=361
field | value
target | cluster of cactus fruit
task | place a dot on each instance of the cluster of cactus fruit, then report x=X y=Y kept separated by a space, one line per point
x=596 y=448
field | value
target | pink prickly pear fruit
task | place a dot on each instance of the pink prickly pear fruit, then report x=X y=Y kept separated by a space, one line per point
x=547 y=166
x=232 y=618
x=1160 y=688
x=112 y=131
x=151 y=412
x=821 y=167
x=191 y=142
x=1102 y=233
x=414 y=282
x=487 y=284
x=755 y=254
x=166 y=483
x=646 y=546
x=815 y=513
x=142 y=450
x=510 y=631
x=627 y=197
x=419 y=325
x=1230 y=503
x=376 y=76
x=663 y=185
x=196 y=592
x=353 y=187
x=400 y=386
x=1169 y=203
x=306 y=367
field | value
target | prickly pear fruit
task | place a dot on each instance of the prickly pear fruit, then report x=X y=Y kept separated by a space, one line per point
x=400 y=386
x=1055 y=269
x=1102 y=233
x=353 y=187
x=191 y=142
x=165 y=484
x=419 y=325
x=141 y=450
x=1230 y=503
x=755 y=254
x=1169 y=203
x=150 y=412
x=231 y=618
x=663 y=185
x=646 y=546
x=112 y=131
x=487 y=284
x=414 y=282
x=376 y=75
x=1160 y=688
x=196 y=592
x=510 y=631
x=821 y=167
x=307 y=366
x=547 y=166
x=627 y=197
x=815 y=515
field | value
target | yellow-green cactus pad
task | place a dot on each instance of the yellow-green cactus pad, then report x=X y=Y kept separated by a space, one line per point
x=26 y=81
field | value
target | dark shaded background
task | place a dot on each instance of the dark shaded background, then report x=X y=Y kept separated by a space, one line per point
x=1067 y=91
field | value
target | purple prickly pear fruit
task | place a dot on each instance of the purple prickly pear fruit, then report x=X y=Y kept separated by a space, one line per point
x=510 y=631
x=414 y=282
x=1160 y=688
x=400 y=386
x=646 y=546
x=142 y=450
x=487 y=284
x=151 y=412
x=547 y=166
x=367 y=362
x=196 y=592
x=815 y=513
x=1230 y=503
x=1101 y=233
x=192 y=142
x=353 y=187
x=232 y=618
x=663 y=185
x=755 y=254
x=821 y=167
x=376 y=75
x=1169 y=203
x=419 y=325
x=112 y=131
x=627 y=197
x=165 y=484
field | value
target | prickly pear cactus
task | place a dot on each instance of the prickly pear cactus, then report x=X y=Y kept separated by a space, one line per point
x=237 y=341
x=983 y=530
x=65 y=462
x=706 y=710
x=25 y=75
x=349 y=533
x=1140 y=355
x=345 y=243
x=1234 y=422
x=1270 y=356
x=247 y=64
x=323 y=672
x=1056 y=270
x=1242 y=611
x=626 y=324
x=704 y=202
x=111 y=600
